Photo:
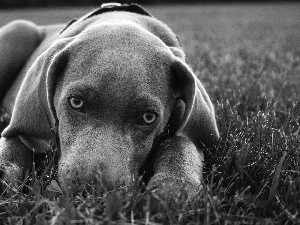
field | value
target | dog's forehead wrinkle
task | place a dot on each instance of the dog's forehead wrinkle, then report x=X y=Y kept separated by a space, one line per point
x=121 y=73
x=123 y=61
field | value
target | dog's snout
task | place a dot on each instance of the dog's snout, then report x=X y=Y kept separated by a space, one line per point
x=104 y=160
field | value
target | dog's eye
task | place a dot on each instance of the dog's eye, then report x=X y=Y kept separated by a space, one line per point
x=149 y=118
x=76 y=103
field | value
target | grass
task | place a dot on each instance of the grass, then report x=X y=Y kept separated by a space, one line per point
x=248 y=58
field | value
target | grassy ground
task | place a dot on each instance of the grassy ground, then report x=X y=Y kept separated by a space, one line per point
x=248 y=58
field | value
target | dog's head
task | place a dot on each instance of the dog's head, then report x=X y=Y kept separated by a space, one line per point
x=111 y=90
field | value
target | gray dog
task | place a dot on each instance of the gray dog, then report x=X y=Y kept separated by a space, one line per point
x=115 y=87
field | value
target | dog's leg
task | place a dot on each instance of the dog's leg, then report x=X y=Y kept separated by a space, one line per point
x=18 y=40
x=15 y=161
x=178 y=167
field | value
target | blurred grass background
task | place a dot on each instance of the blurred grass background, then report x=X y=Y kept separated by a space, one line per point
x=248 y=58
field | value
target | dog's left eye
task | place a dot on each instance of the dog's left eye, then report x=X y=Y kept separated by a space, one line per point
x=76 y=103
x=149 y=118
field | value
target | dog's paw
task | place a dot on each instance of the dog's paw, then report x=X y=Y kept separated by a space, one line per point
x=171 y=187
x=177 y=168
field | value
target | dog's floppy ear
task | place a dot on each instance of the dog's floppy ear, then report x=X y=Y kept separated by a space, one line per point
x=33 y=115
x=193 y=114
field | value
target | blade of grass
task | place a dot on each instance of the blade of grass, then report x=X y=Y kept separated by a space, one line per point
x=275 y=180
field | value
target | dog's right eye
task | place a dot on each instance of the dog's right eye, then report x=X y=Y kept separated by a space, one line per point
x=76 y=103
x=149 y=118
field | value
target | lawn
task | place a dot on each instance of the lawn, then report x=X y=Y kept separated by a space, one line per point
x=248 y=59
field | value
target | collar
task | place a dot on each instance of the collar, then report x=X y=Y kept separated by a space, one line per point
x=112 y=7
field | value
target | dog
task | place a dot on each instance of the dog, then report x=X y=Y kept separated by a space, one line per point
x=114 y=91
